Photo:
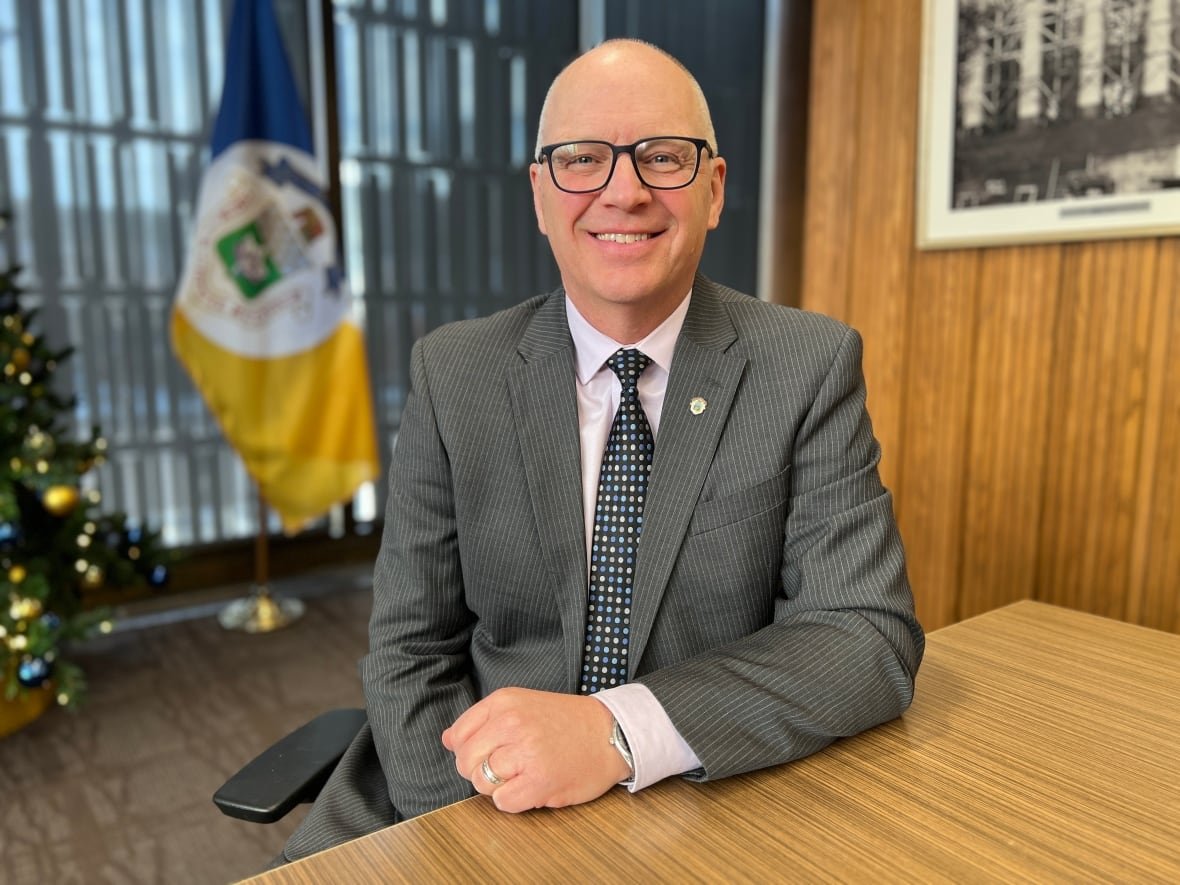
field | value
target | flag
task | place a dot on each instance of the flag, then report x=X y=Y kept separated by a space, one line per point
x=263 y=321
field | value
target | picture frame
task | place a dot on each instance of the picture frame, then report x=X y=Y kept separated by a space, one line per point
x=1048 y=121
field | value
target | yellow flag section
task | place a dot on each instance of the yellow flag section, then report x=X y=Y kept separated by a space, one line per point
x=264 y=325
x=304 y=432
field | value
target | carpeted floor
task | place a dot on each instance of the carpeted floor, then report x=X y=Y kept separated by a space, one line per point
x=120 y=792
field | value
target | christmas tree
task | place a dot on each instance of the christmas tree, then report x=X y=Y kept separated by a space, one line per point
x=56 y=551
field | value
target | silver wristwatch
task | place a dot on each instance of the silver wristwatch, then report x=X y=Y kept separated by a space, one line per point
x=619 y=741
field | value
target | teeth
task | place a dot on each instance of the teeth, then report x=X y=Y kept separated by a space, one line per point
x=623 y=238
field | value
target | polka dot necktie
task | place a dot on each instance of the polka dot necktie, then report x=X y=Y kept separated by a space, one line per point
x=618 y=520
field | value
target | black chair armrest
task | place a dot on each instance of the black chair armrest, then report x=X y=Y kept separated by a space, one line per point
x=290 y=771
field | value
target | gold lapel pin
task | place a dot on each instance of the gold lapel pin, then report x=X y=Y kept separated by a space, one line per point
x=698 y=404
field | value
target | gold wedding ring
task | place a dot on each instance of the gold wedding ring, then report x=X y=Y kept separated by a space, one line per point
x=489 y=775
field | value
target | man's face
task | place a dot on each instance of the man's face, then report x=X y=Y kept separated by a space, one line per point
x=626 y=250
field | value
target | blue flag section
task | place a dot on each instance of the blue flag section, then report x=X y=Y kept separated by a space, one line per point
x=263 y=321
x=260 y=99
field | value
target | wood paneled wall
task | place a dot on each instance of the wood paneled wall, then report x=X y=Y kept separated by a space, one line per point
x=1027 y=398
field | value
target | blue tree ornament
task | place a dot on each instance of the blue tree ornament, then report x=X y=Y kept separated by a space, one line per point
x=33 y=672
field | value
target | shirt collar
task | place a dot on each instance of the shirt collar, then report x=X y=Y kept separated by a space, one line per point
x=592 y=348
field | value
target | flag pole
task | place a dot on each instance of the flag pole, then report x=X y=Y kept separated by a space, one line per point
x=261 y=611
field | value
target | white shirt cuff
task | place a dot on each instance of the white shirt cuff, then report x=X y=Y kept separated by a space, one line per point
x=657 y=746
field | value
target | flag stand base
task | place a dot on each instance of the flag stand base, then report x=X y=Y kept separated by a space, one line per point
x=260 y=612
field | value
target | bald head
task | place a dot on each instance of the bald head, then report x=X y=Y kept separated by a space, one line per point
x=622 y=61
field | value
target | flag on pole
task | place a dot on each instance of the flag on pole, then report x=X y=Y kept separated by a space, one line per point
x=263 y=321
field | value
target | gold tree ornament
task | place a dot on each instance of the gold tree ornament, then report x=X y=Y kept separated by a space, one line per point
x=24 y=609
x=61 y=500
x=93 y=577
x=17 y=574
x=21 y=359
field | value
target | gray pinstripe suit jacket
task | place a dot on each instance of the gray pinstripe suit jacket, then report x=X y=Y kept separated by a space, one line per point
x=771 y=609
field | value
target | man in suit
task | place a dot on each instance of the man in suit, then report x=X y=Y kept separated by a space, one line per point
x=763 y=610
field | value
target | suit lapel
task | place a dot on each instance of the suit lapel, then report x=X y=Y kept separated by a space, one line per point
x=544 y=404
x=685 y=444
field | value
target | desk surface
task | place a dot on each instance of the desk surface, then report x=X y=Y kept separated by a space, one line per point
x=1043 y=744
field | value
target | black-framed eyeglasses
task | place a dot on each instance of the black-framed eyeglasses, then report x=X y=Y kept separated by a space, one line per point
x=662 y=162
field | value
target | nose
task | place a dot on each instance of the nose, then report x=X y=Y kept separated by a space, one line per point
x=624 y=189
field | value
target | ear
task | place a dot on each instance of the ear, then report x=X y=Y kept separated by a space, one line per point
x=537 y=184
x=716 y=191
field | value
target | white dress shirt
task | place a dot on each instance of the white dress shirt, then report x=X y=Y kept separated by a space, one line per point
x=658 y=749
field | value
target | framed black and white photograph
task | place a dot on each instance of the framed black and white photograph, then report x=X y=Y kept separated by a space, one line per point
x=1048 y=120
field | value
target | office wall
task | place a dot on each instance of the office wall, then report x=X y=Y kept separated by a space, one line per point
x=1027 y=398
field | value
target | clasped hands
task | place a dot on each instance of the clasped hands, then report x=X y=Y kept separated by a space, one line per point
x=547 y=750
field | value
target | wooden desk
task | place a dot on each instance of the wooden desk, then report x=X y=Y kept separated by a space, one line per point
x=1043 y=745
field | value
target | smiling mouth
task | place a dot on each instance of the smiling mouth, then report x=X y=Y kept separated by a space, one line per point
x=622 y=238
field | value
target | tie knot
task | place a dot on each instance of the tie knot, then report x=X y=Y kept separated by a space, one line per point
x=628 y=364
